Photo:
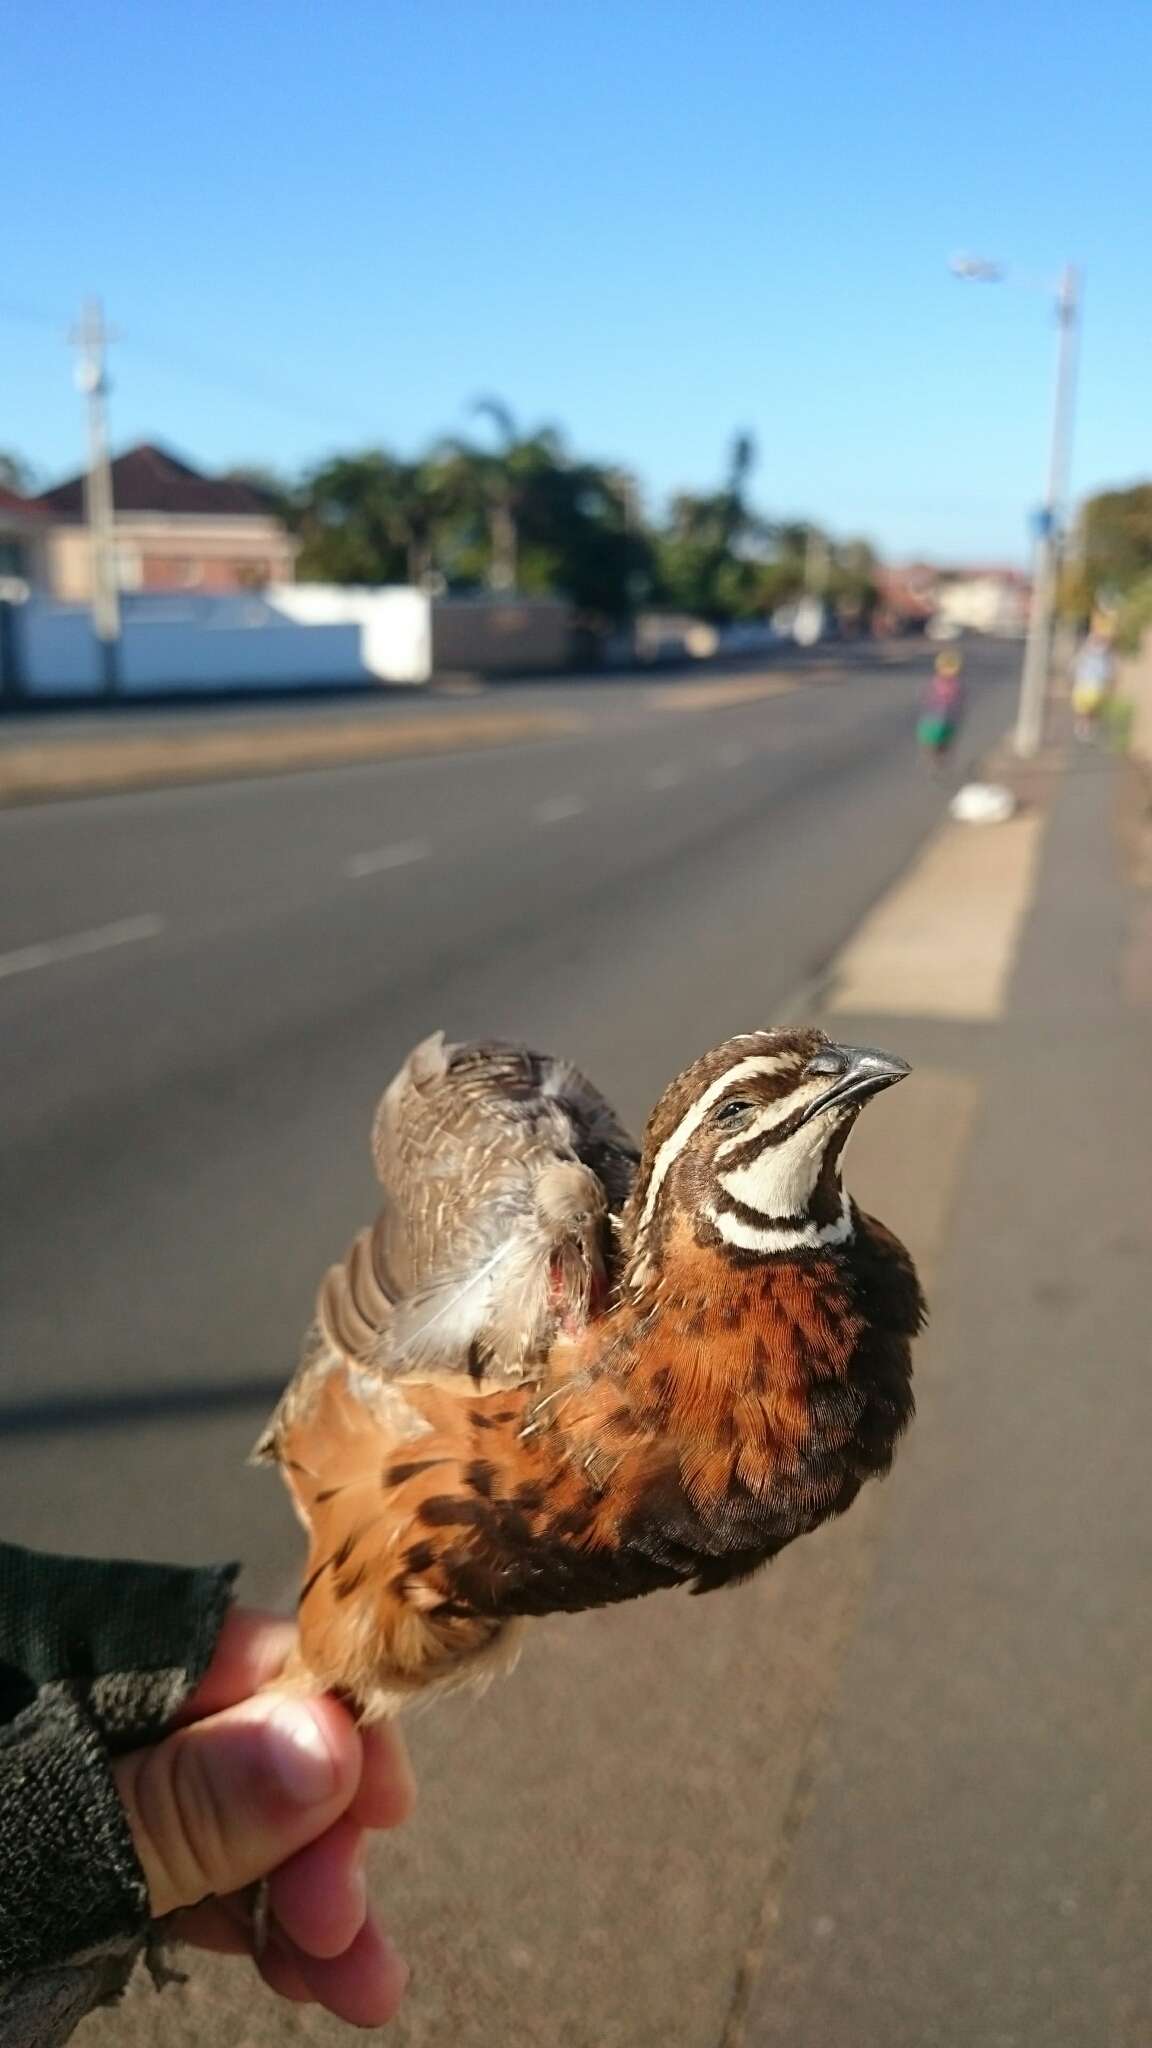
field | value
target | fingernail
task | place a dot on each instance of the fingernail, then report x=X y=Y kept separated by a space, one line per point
x=302 y=1754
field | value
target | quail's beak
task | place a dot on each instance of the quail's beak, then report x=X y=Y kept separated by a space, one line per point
x=854 y=1072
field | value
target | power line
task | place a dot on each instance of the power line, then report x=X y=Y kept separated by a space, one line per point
x=237 y=379
x=29 y=316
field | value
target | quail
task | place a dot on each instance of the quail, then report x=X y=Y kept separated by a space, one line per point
x=560 y=1372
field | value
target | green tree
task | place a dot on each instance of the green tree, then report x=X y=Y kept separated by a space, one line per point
x=527 y=515
x=713 y=550
x=851 y=586
x=518 y=510
x=16 y=474
x=497 y=477
x=370 y=518
x=1114 y=543
x=485 y=487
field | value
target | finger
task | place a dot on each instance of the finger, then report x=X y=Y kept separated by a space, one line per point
x=364 y=1986
x=319 y=1898
x=386 y=1794
x=222 y=1802
x=250 y=1652
x=281 y=1972
x=224 y=1926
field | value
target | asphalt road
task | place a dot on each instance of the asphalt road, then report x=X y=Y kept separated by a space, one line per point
x=202 y=992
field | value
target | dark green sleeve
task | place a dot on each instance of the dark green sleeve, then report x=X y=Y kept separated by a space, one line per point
x=95 y=1658
x=134 y=1637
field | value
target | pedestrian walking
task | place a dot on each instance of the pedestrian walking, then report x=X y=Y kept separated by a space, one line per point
x=1091 y=683
x=940 y=710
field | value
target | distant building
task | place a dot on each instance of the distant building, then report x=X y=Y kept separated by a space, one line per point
x=984 y=600
x=176 y=529
x=976 y=600
x=907 y=594
x=23 y=530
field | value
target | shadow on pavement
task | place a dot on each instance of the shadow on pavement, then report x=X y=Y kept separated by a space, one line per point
x=115 y=1410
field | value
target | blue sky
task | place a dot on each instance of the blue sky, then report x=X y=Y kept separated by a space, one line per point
x=649 y=221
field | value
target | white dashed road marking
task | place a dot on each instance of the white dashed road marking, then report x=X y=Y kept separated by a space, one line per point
x=555 y=809
x=668 y=776
x=381 y=858
x=124 y=933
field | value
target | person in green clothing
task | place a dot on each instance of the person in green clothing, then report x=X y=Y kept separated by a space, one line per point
x=151 y=1775
x=940 y=709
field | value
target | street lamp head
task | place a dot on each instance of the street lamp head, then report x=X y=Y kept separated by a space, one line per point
x=977 y=269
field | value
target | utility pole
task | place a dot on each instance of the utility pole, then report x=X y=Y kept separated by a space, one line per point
x=1038 y=648
x=91 y=339
x=815 y=563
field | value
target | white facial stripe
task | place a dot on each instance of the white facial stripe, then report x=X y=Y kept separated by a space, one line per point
x=780 y=1180
x=690 y=1122
x=804 y=1237
x=773 y=1113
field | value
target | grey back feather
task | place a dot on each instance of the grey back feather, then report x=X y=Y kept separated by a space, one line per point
x=500 y=1169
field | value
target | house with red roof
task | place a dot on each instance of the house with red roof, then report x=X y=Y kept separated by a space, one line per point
x=175 y=529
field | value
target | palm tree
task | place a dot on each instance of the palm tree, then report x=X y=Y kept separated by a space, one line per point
x=371 y=518
x=499 y=493
x=714 y=545
x=493 y=488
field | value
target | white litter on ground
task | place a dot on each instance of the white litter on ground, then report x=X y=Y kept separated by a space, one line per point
x=982 y=803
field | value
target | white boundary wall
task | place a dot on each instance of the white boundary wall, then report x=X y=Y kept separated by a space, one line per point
x=303 y=635
x=183 y=644
x=395 y=623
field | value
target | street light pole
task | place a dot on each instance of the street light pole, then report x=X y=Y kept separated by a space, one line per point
x=1029 y=735
x=91 y=338
x=815 y=563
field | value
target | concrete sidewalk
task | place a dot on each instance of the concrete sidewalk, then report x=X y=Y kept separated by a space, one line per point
x=973 y=1866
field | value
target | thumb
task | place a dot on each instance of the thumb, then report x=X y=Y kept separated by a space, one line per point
x=221 y=1803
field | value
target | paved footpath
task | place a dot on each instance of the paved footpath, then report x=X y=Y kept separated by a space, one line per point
x=903 y=1796
x=974 y=1869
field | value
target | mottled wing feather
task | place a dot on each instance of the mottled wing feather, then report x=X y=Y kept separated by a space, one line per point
x=463 y=1139
x=458 y=1134
x=356 y=1302
x=455 y=1270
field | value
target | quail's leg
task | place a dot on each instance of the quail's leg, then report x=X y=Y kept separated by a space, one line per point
x=258 y=1907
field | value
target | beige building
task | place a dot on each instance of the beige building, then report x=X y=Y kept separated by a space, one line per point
x=984 y=600
x=23 y=542
x=176 y=529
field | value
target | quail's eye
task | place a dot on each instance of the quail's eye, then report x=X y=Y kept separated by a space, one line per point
x=732 y=1113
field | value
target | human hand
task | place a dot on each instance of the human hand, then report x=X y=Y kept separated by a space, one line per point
x=256 y=1784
